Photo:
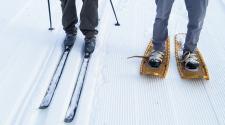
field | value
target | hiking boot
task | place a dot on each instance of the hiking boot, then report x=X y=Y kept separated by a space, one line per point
x=190 y=60
x=156 y=58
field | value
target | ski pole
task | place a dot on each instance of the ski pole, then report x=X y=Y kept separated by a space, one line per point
x=117 y=22
x=50 y=16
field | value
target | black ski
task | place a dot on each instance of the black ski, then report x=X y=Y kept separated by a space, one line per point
x=71 y=112
x=55 y=79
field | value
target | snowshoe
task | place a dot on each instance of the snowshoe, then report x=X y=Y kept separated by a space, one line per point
x=159 y=68
x=190 y=65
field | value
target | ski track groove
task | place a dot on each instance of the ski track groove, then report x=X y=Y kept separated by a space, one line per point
x=96 y=61
x=188 y=94
x=222 y=2
x=37 y=79
x=103 y=47
x=133 y=118
x=28 y=94
x=210 y=86
x=65 y=105
x=173 y=22
x=216 y=84
x=201 y=81
x=16 y=17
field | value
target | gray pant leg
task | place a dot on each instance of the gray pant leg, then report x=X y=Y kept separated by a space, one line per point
x=196 y=14
x=69 y=15
x=160 y=31
x=89 y=17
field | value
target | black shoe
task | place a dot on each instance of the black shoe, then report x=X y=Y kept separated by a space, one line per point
x=155 y=59
x=89 y=46
x=69 y=40
x=190 y=60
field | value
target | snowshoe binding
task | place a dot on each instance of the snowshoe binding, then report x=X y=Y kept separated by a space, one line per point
x=155 y=63
x=156 y=58
x=190 y=65
x=190 y=61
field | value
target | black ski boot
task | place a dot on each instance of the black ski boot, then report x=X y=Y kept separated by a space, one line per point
x=190 y=60
x=89 y=46
x=156 y=58
x=69 y=40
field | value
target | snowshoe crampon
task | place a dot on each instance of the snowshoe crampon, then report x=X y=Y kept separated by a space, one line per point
x=200 y=73
x=161 y=71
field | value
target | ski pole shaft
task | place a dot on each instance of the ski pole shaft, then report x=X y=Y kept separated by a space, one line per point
x=50 y=16
x=117 y=22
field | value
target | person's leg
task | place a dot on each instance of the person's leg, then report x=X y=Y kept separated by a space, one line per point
x=69 y=16
x=160 y=31
x=196 y=14
x=69 y=20
x=89 y=18
x=89 y=21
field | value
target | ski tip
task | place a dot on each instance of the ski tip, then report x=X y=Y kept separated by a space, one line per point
x=45 y=103
x=68 y=120
x=43 y=106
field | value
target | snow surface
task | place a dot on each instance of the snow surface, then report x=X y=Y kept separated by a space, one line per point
x=114 y=92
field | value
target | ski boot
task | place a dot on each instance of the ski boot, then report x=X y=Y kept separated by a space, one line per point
x=190 y=61
x=69 y=40
x=156 y=58
x=89 y=46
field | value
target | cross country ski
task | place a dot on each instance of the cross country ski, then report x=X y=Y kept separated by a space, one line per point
x=71 y=112
x=55 y=79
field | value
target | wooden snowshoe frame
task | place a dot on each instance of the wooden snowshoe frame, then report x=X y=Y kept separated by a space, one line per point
x=200 y=73
x=162 y=70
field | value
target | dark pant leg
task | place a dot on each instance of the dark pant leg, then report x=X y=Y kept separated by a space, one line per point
x=160 y=31
x=69 y=15
x=196 y=14
x=89 y=17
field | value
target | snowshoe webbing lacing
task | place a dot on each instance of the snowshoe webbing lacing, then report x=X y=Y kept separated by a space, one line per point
x=156 y=55
x=190 y=58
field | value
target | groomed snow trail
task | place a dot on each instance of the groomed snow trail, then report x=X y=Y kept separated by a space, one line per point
x=114 y=93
